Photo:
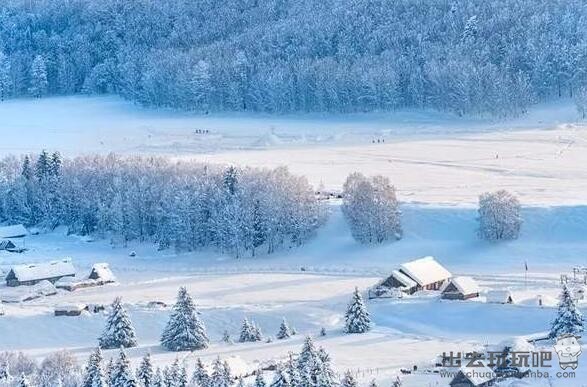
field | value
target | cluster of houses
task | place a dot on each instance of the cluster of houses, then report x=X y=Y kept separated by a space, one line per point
x=428 y=274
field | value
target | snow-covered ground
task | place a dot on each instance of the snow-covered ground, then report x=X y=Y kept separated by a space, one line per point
x=408 y=332
x=438 y=162
x=431 y=157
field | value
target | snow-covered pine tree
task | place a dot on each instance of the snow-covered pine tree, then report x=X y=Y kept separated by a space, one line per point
x=373 y=383
x=200 y=377
x=292 y=372
x=184 y=331
x=357 y=318
x=94 y=374
x=280 y=378
x=569 y=319
x=499 y=216
x=23 y=381
x=168 y=378
x=259 y=379
x=158 y=378
x=247 y=332
x=119 y=331
x=307 y=363
x=348 y=380
x=123 y=375
x=226 y=337
x=257 y=335
x=323 y=372
x=5 y=80
x=5 y=376
x=227 y=373
x=241 y=382
x=284 y=331
x=219 y=377
x=110 y=370
x=182 y=377
x=38 y=86
x=145 y=373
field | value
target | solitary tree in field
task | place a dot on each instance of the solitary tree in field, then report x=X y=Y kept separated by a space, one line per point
x=357 y=318
x=119 y=331
x=499 y=216
x=284 y=331
x=569 y=319
x=371 y=209
x=184 y=331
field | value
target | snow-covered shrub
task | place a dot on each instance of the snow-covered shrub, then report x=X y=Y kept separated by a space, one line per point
x=371 y=209
x=184 y=330
x=59 y=369
x=499 y=216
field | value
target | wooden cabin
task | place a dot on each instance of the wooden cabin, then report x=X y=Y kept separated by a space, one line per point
x=70 y=310
x=34 y=273
x=101 y=272
x=460 y=288
x=421 y=274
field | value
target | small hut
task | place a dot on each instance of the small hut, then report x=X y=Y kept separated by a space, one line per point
x=34 y=273
x=499 y=297
x=460 y=288
x=101 y=273
x=474 y=377
x=420 y=274
x=7 y=245
x=70 y=309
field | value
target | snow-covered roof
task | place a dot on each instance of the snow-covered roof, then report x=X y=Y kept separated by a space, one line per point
x=478 y=375
x=14 y=231
x=465 y=285
x=425 y=271
x=404 y=279
x=103 y=272
x=498 y=296
x=70 y=307
x=38 y=271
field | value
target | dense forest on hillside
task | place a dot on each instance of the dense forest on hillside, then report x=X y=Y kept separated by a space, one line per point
x=490 y=57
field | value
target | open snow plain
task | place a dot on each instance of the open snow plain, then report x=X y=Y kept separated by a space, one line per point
x=440 y=165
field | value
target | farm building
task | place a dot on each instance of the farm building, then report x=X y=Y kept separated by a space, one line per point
x=499 y=297
x=99 y=275
x=70 y=309
x=474 y=377
x=35 y=273
x=424 y=273
x=460 y=288
x=101 y=272
x=14 y=231
x=7 y=245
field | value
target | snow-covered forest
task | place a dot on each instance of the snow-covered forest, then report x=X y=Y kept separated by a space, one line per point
x=184 y=205
x=467 y=57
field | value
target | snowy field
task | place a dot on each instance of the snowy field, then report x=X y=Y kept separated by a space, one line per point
x=430 y=157
x=439 y=163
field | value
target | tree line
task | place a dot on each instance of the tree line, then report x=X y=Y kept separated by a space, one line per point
x=465 y=57
x=180 y=204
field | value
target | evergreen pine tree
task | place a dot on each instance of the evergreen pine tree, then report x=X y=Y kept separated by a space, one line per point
x=168 y=379
x=5 y=376
x=227 y=373
x=55 y=164
x=200 y=376
x=110 y=370
x=27 y=171
x=38 y=86
x=292 y=372
x=241 y=382
x=226 y=337
x=357 y=317
x=348 y=380
x=23 y=382
x=280 y=379
x=182 y=377
x=284 y=331
x=218 y=377
x=569 y=319
x=184 y=331
x=43 y=166
x=307 y=363
x=119 y=331
x=158 y=378
x=250 y=332
x=145 y=373
x=324 y=374
x=94 y=374
x=123 y=375
x=259 y=380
